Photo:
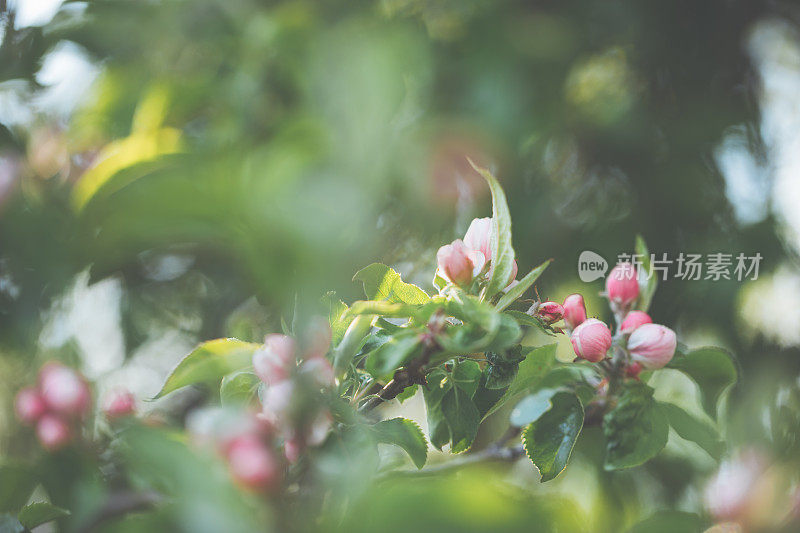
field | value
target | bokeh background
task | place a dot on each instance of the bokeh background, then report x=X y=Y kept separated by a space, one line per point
x=183 y=170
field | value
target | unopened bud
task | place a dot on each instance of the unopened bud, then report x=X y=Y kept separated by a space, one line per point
x=479 y=237
x=622 y=285
x=574 y=311
x=278 y=400
x=29 y=405
x=652 y=345
x=251 y=464
x=455 y=263
x=273 y=361
x=53 y=432
x=633 y=320
x=591 y=340
x=634 y=369
x=118 y=404
x=550 y=312
x=64 y=390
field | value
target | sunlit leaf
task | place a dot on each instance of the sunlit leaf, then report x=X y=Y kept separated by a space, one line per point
x=690 y=428
x=39 y=513
x=210 y=361
x=712 y=369
x=502 y=248
x=239 y=388
x=383 y=283
x=515 y=292
x=407 y=435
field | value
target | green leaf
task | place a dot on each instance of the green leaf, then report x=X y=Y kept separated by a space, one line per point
x=549 y=440
x=210 y=361
x=384 y=308
x=462 y=418
x=502 y=248
x=383 y=283
x=646 y=294
x=467 y=375
x=239 y=388
x=37 y=514
x=519 y=289
x=405 y=434
x=435 y=390
x=17 y=482
x=9 y=524
x=635 y=430
x=530 y=408
x=501 y=375
x=690 y=428
x=524 y=319
x=407 y=393
x=393 y=354
x=669 y=522
x=352 y=341
x=338 y=318
x=712 y=369
x=486 y=397
x=536 y=364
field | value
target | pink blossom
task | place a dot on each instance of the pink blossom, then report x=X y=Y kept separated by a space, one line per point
x=622 y=286
x=53 y=432
x=574 y=311
x=633 y=320
x=652 y=345
x=591 y=340
x=29 y=405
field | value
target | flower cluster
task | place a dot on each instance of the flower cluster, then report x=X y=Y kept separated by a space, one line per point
x=56 y=405
x=464 y=261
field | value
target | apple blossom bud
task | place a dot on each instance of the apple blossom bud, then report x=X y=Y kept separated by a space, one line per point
x=633 y=320
x=652 y=345
x=29 y=405
x=273 y=361
x=634 y=369
x=550 y=312
x=118 y=404
x=277 y=400
x=320 y=370
x=591 y=340
x=732 y=490
x=292 y=448
x=622 y=285
x=574 y=311
x=64 y=390
x=479 y=237
x=455 y=263
x=53 y=432
x=252 y=464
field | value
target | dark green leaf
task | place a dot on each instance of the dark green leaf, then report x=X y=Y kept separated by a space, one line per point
x=501 y=375
x=485 y=398
x=690 y=428
x=405 y=434
x=39 y=513
x=530 y=408
x=515 y=292
x=462 y=418
x=466 y=375
x=502 y=248
x=537 y=363
x=17 y=482
x=669 y=522
x=524 y=319
x=712 y=369
x=393 y=354
x=383 y=283
x=434 y=392
x=646 y=295
x=635 y=430
x=550 y=439
x=210 y=361
x=239 y=388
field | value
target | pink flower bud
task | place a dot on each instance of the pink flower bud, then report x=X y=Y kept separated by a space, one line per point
x=53 y=432
x=652 y=345
x=251 y=464
x=622 y=285
x=292 y=448
x=118 y=404
x=574 y=311
x=479 y=237
x=633 y=320
x=634 y=369
x=278 y=400
x=320 y=370
x=273 y=361
x=29 y=405
x=64 y=390
x=455 y=263
x=591 y=340
x=550 y=312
